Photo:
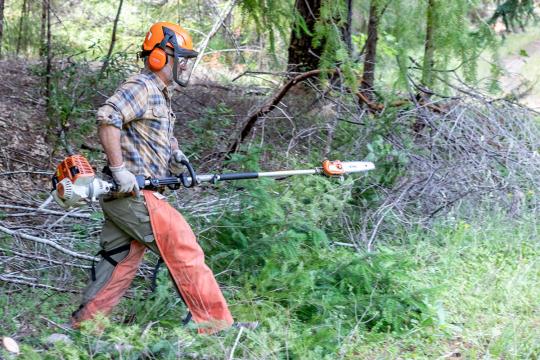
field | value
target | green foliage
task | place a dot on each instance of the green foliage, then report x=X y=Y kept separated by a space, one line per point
x=332 y=287
x=390 y=161
x=284 y=224
x=329 y=35
x=458 y=41
x=468 y=286
x=37 y=302
x=512 y=11
x=459 y=35
x=162 y=304
x=270 y=17
x=74 y=93
x=278 y=250
x=211 y=129
x=275 y=17
x=81 y=25
x=19 y=28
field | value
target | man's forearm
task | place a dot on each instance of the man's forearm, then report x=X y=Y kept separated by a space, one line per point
x=109 y=136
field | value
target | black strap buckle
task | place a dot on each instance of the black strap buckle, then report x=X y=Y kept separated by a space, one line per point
x=107 y=256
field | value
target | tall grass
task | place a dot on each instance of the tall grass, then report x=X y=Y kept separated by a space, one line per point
x=487 y=273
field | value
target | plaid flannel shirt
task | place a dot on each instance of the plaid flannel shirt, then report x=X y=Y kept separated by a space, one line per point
x=141 y=109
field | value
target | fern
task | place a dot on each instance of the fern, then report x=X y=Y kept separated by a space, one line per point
x=457 y=41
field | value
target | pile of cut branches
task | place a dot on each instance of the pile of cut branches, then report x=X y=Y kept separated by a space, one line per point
x=479 y=154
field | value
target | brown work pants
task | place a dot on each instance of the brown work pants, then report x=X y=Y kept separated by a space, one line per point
x=133 y=224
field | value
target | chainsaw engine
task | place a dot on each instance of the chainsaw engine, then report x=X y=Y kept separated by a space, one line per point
x=75 y=180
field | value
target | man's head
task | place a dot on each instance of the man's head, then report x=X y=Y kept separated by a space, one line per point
x=168 y=48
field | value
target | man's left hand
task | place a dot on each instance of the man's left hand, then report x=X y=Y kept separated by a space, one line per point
x=177 y=157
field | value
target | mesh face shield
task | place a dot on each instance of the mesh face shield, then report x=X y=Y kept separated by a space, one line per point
x=182 y=69
x=183 y=58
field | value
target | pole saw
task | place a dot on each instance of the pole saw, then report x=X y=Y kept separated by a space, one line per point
x=75 y=179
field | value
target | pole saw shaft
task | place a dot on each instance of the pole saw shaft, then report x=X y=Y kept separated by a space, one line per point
x=334 y=168
x=254 y=175
x=214 y=178
x=75 y=179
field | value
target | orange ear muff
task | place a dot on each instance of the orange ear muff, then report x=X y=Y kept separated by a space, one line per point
x=157 y=59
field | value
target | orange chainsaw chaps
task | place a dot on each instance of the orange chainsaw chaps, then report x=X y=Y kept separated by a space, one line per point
x=111 y=293
x=185 y=260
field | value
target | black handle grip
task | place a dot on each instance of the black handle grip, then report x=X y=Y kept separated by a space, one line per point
x=192 y=174
x=170 y=181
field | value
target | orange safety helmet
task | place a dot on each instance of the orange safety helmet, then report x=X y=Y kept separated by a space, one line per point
x=166 y=34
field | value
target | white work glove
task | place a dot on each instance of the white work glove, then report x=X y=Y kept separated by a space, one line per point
x=176 y=157
x=125 y=180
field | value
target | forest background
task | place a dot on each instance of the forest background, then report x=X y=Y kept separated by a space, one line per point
x=435 y=254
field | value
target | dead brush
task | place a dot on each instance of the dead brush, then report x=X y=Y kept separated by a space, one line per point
x=477 y=154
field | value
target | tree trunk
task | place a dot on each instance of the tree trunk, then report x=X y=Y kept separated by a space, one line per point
x=48 y=69
x=302 y=55
x=346 y=31
x=55 y=122
x=1 y=24
x=113 y=39
x=43 y=32
x=368 y=78
x=429 y=49
x=21 y=25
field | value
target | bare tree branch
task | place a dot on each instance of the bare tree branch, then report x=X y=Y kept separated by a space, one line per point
x=250 y=120
x=38 y=285
x=113 y=39
x=47 y=242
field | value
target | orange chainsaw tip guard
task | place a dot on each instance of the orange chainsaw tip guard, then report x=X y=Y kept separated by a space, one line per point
x=333 y=168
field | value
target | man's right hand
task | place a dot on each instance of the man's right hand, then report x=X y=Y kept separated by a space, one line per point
x=125 y=180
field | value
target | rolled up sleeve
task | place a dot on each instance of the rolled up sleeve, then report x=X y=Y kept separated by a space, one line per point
x=129 y=102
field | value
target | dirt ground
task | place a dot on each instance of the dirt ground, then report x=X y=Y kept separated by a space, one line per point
x=24 y=153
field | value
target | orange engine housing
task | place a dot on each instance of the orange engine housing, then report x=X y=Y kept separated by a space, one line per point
x=76 y=168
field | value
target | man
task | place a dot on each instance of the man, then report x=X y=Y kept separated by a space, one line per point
x=135 y=127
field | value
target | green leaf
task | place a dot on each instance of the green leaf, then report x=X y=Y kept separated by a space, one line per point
x=523 y=53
